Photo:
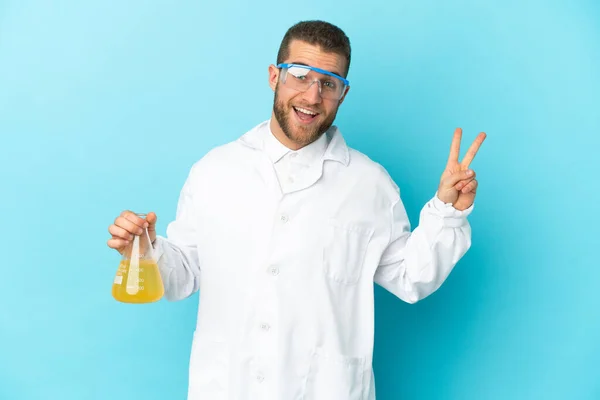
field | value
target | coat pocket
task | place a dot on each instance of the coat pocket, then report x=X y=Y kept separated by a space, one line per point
x=344 y=251
x=334 y=376
x=208 y=372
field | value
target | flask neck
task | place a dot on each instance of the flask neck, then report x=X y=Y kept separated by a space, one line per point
x=141 y=246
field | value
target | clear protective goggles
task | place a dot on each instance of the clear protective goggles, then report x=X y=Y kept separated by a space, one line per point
x=301 y=77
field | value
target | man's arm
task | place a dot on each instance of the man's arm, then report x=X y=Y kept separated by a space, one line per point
x=177 y=254
x=414 y=265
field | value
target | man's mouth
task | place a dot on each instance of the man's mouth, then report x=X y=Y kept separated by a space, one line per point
x=305 y=115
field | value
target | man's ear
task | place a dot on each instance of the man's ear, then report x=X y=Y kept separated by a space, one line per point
x=344 y=96
x=273 y=76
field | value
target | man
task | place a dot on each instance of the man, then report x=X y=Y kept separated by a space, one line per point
x=285 y=230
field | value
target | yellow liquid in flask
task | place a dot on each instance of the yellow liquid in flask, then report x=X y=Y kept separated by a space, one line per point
x=138 y=281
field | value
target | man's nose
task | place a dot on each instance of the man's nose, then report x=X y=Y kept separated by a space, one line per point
x=313 y=93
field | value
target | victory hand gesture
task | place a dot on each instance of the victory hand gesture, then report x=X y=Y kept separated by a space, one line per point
x=458 y=185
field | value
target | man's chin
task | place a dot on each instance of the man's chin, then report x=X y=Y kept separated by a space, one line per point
x=303 y=136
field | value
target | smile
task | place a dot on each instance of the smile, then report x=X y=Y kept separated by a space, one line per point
x=305 y=115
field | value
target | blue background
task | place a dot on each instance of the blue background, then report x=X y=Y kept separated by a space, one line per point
x=105 y=105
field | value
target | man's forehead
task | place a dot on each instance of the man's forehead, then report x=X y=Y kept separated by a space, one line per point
x=312 y=55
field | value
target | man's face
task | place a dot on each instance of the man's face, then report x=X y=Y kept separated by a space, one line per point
x=304 y=116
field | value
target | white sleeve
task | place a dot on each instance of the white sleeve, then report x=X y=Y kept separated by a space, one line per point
x=414 y=265
x=177 y=254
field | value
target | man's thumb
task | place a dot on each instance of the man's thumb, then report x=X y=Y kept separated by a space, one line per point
x=151 y=219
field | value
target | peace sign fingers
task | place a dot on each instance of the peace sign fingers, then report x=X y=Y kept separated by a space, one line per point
x=455 y=147
x=473 y=150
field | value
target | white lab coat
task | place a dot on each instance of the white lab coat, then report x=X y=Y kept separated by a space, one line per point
x=285 y=261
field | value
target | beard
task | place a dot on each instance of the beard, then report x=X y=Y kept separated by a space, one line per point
x=300 y=135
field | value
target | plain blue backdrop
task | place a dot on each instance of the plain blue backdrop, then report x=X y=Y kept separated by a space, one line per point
x=105 y=105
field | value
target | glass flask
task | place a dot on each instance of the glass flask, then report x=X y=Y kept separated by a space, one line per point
x=138 y=279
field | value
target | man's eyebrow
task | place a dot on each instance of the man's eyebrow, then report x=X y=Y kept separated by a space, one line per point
x=306 y=65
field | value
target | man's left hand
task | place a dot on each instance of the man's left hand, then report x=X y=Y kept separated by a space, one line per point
x=458 y=185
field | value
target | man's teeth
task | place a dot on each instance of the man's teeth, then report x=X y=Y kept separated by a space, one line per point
x=305 y=111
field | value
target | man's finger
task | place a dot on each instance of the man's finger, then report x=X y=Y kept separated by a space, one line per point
x=151 y=219
x=141 y=222
x=470 y=188
x=472 y=152
x=133 y=217
x=129 y=226
x=117 y=244
x=455 y=147
x=458 y=176
x=118 y=232
x=463 y=183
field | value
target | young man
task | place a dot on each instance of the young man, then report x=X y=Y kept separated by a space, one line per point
x=285 y=230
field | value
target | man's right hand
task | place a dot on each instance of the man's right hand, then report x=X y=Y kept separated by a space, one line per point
x=126 y=226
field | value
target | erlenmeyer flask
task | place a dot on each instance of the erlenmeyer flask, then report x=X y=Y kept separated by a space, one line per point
x=138 y=278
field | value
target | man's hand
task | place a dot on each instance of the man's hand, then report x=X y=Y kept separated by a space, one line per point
x=458 y=185
x=126 y=226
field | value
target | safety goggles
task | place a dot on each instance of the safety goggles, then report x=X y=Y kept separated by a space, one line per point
x=301 y=78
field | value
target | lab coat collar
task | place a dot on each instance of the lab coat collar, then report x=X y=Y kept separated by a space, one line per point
x=337 y=150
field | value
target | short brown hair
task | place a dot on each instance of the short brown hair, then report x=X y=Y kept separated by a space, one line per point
x=327 y=36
